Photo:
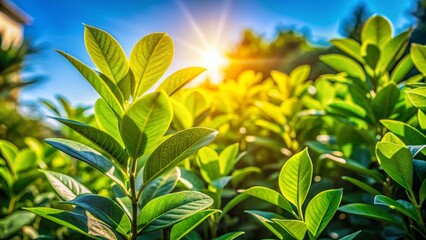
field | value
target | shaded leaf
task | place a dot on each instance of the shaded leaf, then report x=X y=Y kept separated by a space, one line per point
x=295 y=228
x=183 y=227
x=65 y=186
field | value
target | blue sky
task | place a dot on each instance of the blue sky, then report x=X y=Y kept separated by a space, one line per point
x=58 y=25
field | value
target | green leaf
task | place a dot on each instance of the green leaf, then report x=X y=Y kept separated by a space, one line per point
x=183 y=227
x=106 y=53
x=14 y=222
x=321 y=210
x=418 y=54
x=208 y=162
x=79 y=221
x=175 y=149
x=397 y=162
x=99 y=138
x=346 y=109
x=240 y=175
x=228 y=158
x=417 y=97
x=229 y=236
x=91 y=157
x=392 y=204
x=160 y=185
x=8 y=152
x=295 y=228
x=405 y=132
x=362 y=185
x=108 y=91
x=65 y=186
x=169 y=209
x=393 y=50
x=265 y=218
x=402 y=68
x=25 y=160
x=105 y=210
x=350 y=47
x=376 y=30
x=221 y=182
x=106 y=120
x=351 y=236
x=150 y=59
x=370 y=211
x=385 y=100
x=342 y=63
x=182 y=118
x=145 y=122
x=300 y=74
x=371 y=54
x=179 y=79
x=295 y=178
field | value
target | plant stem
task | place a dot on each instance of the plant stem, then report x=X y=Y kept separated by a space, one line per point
x=418 y=207
x=134 y=199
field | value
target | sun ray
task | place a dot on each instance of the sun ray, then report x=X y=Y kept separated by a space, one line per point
x=194 y=25
x=222 y=21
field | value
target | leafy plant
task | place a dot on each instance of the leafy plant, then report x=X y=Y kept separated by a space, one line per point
x=130 y=146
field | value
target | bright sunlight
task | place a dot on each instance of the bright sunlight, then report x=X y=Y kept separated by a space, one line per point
x=214 y=61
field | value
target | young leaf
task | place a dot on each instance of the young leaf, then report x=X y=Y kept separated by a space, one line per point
x=105 y=210
x=397 y=162
x=145 y=122
x=91 y=157
x=392 y=204
x=169 y=209
x=78 y=221
x=106 y=120
x=418 y=54
x=175 y=149
x=99 y=138
x=321 y=210
x=65 y=186
x=295 y=228
x=208 y=162
x=108 y=91
x=149 y=60
x=295 y=178
x=370 y=211
x=376 y=30
x=350 y=47
x=227 y=158
x=341 y=63
x=24 y=161
x=160 y=185
x=106 y=53
x=183 y=227
x=179 y=79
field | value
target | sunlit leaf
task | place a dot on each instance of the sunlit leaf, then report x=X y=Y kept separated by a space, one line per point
x=392 y=204
x=182 y=228
x=371 y=211
x=145 y=122
x=169 y=209
x=350 y=47
x=175 y=149
x=65 y=186
x=106 y=53
x=160 y=185
x=405 y=132
x=320 y=211
x=179 y=79
x=418 y=54
x=295 y=228
x=266 y=219
x=362 y=185
x=106 y=120
x=385 y=101
x=376 y=30
x=341 y=63
x=150 y=59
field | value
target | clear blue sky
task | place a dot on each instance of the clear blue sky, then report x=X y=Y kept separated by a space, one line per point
x=58 y=25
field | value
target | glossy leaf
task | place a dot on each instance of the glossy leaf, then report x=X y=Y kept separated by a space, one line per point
x=108 y=91
x=150 y=59
x=405 y=132
x=385 y=100
x=397 y=162
x=417 y=97
x=295 y=178
x=295 y=228
x=106 y=53
x=78 y=221
x=418 y=54
x=105 y=210
x=371 y=211
x=208 y=162
x=321 y=210
x=342 y=63
x=160 y=185
x=65 y=186
x=266 y=219
x=402 y=69
x=91 y=157
x=169 y=209
x=392 y=204
x=376 y=30
x=351 y=236
x=107 y=120
x=228 y=158
x=362 y=185
x=175 y=149
x=183 y=227
x=179 y=79
x=145 y=122
x=99 y=138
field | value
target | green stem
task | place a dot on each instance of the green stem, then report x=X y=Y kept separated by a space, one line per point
x=418 y=207
x=134 y=199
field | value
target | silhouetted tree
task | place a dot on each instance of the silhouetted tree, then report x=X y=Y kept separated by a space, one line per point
x=351 y=26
